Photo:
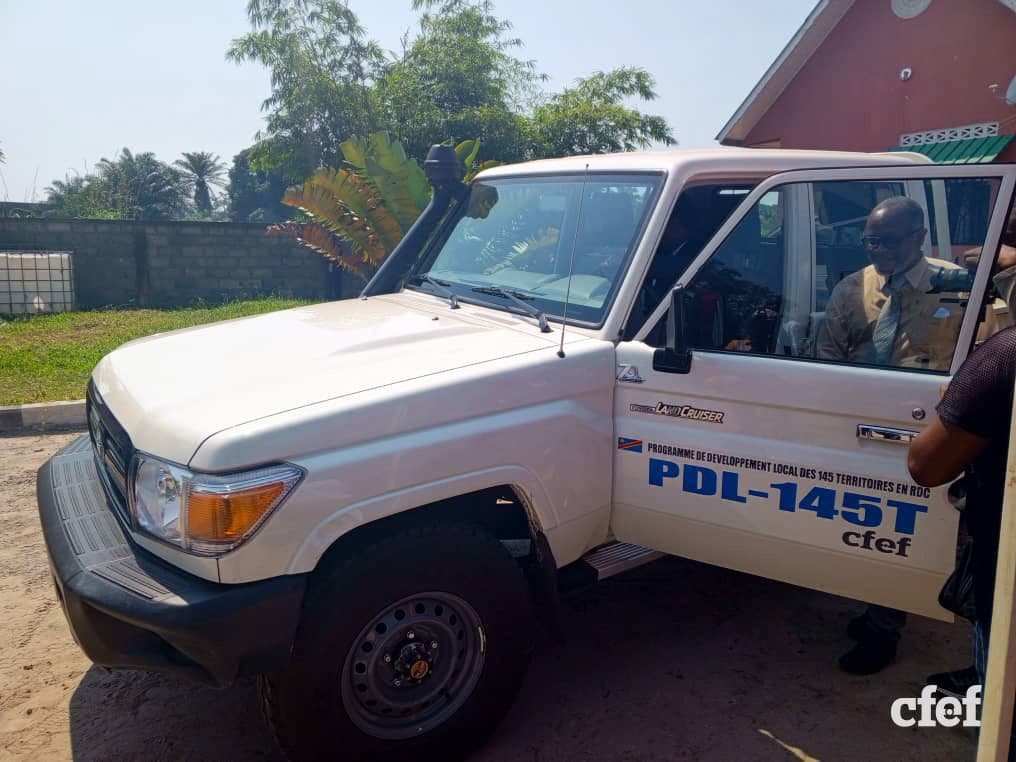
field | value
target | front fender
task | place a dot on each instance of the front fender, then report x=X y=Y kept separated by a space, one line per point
x=324 y=535
x=541 y=424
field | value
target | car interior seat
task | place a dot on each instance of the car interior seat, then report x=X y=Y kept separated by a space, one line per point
x=607 y=221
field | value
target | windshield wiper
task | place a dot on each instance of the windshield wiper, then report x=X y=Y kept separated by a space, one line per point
x=517 y=298
x=441 y=288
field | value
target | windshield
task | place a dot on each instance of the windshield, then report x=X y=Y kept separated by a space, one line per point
x=518 y=235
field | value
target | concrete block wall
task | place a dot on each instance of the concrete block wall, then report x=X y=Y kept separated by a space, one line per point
x=163 y=264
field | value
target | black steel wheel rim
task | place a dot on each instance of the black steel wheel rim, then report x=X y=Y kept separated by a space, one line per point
x=413 y=666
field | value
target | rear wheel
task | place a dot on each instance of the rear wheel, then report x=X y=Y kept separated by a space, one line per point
x=413 y=646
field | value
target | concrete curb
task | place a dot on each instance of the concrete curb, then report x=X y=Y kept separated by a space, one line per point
x=43 y=416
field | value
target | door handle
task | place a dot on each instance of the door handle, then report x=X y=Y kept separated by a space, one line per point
x=885 y=434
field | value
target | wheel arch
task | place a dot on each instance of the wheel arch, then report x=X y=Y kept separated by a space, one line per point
x=506 y=510
x=470 y=497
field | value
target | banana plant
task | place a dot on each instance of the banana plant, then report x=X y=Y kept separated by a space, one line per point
x=357 y=214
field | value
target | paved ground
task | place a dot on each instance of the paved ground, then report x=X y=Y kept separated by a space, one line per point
x=673 y=661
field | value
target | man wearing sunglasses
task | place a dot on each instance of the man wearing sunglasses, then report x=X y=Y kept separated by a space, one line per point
x=893 y=311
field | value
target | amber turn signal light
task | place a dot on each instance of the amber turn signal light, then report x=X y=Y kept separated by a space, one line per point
x=228 y=516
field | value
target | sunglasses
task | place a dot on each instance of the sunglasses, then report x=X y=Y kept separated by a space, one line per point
x=887 y=241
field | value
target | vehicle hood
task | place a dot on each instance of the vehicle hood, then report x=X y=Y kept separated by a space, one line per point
x=172 y=391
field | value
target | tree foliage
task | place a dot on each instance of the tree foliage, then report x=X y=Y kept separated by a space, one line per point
x=322 y=71
x=357 y=214
x=130 y=186
x=458 y=75
x=591 y=117
x=202 y=170
x=140 y=187
x=255 y=195
x=80 y=197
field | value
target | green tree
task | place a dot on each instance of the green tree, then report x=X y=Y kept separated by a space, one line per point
x=322 y=70
x=130 y=187
x=80 y=196
x=459 y=77
x=255 y=195
x=202 y=170
x=591 y=116
x=140 y=187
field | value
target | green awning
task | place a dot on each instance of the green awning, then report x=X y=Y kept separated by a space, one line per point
x=972 y=151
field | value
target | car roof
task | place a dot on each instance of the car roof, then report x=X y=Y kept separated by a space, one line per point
x=763 y=161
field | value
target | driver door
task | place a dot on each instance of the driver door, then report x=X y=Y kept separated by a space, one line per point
x=773 y=455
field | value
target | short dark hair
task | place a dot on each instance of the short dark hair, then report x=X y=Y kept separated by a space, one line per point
x=907 y=207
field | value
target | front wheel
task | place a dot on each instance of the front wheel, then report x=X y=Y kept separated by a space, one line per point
x=413 y=647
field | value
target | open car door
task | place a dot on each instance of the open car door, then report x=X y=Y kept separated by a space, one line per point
x=781 y=450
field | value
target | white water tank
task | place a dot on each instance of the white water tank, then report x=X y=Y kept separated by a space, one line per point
x=34 y=282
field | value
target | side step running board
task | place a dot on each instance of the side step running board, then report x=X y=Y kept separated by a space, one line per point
x=618 y=557
x=605 y=561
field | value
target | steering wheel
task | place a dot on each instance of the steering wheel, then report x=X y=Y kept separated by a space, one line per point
x=603 y=261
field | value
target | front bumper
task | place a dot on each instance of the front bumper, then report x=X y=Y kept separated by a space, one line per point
x=127 y=608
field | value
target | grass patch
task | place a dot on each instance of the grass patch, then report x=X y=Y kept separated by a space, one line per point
x=45 y=358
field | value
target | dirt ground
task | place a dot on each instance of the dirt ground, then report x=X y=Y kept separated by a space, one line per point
x=673 y=661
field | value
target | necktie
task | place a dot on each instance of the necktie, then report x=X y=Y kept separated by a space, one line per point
x=887 y=325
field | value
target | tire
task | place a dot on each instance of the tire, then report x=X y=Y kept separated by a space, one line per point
x=449 y=607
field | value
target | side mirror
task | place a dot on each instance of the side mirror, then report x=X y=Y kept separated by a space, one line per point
x=676 y=356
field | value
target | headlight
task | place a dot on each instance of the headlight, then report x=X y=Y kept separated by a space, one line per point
x=158 y=495
x=203 y=514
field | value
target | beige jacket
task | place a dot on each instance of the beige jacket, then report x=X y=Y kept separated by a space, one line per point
x=929 y=322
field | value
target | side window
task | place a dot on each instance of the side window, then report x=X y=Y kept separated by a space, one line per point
x=844 y=272
x=698 y=214
x=969 y=203
x=841 y=211
x=744 y=297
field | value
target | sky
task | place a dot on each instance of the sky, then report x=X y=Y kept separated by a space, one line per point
x=79 y=80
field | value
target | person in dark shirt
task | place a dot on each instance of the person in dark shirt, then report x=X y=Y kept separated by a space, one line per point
x=678 y=247
x=676 y=251
x=971 y=433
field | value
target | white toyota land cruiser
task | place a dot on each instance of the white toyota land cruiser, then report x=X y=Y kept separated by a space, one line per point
x=572 y=365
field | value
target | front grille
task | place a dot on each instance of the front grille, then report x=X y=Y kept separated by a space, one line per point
x=113 y=452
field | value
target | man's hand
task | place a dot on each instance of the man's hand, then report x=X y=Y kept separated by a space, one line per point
x=1006 y=259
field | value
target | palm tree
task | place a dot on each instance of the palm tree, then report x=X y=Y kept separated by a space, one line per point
x=142 y=187
x=202 y=170
x=61 y=191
